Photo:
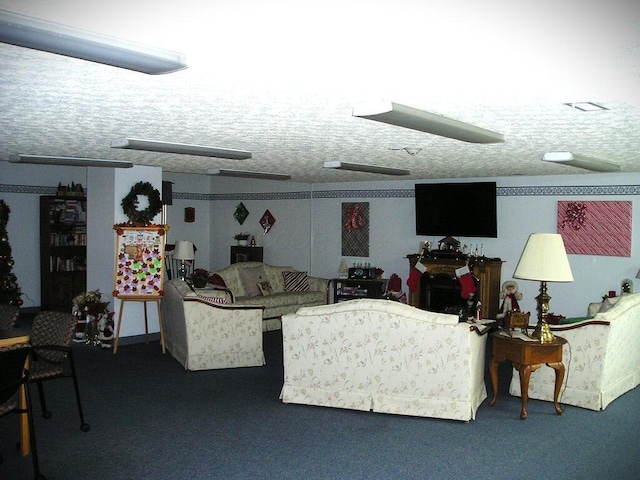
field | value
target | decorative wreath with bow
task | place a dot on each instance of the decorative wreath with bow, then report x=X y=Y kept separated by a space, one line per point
x=130 y=204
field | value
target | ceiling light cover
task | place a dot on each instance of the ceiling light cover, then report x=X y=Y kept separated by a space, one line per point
x=69 y=161
x=30 y=32
x=226 y=172
x=580 y=161
x=409 y=117
x=360 y=167
x=180 y=148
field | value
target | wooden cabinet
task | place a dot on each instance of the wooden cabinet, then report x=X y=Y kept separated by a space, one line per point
x=246 y=254
x=349 y=289
x=488 y=272
x=63 y=251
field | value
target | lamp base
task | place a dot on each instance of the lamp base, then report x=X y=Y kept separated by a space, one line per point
x=542 y=332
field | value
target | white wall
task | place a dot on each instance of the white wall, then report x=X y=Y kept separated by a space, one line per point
x=307 y=232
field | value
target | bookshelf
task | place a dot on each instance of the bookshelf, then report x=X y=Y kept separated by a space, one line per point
x=63 y=250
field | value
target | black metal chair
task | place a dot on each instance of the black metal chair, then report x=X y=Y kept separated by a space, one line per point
x=52 y=355
x=13 y=376
x=8 y=316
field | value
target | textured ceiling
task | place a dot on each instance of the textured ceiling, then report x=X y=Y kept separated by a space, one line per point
x=280 y=78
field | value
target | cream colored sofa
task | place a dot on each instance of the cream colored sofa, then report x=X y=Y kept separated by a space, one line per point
x=242 y=279
x=384 y=356
x=202 y=334
x=601 y=357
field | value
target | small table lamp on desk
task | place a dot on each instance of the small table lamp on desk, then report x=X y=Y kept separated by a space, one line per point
x=184 y=252
x=544 y=259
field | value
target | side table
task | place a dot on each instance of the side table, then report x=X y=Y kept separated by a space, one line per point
x=526 y=357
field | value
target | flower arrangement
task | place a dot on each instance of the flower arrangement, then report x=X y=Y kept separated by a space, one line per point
x=199 y=278
x=378 y=272
x=95 y=322
x=242 y=236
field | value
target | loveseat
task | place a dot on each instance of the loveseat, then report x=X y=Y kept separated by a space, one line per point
x=601 y=357
x=202 y=333
x=278 y=289
x=383 y=356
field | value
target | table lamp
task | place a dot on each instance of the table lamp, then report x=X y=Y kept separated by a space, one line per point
x=183 y=251
x=544 y=259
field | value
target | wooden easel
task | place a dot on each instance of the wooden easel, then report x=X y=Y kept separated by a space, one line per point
x=146 y=320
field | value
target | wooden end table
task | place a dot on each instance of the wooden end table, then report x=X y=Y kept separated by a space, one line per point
x=526 y=357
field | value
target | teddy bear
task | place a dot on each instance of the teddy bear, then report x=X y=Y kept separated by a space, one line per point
x=510 y=296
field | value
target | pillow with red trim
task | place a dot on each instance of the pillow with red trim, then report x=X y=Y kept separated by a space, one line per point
x=213 y=300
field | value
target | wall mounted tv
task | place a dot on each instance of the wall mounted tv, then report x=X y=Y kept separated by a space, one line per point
x=456 y=209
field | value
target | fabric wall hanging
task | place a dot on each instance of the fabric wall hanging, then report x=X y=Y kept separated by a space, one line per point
x=355 y=229
x=596 y=228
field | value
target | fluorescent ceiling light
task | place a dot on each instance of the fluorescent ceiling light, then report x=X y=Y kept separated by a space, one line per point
x=70 y=161
x=408 y=117
x=360 y=167
x=182 y=148
x=586 y=106
x=30 y=32
x=226 y=172
x=576 y=160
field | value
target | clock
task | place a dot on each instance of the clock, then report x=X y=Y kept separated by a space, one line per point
x=360 y=272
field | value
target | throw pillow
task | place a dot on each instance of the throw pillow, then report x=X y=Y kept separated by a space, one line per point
x=217 y=280
x=295 y=281
x=251 y=277
x=265 y=288
x=216 y=300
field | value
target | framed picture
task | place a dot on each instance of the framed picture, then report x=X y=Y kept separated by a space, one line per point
x=139 y=263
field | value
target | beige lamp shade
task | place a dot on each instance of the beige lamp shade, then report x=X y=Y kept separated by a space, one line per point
x=184 y=250
x=544 y=259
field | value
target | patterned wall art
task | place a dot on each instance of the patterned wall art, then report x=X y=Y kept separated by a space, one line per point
x=355 y=229
x=596 y=228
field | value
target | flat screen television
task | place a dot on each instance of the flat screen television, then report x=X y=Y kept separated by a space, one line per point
x=456 y=209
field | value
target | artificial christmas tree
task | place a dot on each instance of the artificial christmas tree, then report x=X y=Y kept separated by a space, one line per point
x=9 y=289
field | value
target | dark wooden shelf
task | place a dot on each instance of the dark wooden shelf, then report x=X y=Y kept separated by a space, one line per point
x=63 y=251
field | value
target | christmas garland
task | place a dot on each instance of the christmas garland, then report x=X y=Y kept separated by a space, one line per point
x=130 y=204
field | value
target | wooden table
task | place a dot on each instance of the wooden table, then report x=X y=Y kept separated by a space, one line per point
x=7 y=339
x=526 y=357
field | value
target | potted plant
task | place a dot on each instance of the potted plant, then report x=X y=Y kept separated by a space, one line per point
x=199 y=278
x=242 y=238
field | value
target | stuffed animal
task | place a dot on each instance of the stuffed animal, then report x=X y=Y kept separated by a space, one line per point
x=510 y=296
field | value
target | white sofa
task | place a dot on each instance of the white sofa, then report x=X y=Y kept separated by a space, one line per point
x=601 y=357
x=202 y=334
x=242 y=279
x=383 y=356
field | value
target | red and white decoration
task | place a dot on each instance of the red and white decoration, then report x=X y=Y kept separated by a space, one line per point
x=596 y=228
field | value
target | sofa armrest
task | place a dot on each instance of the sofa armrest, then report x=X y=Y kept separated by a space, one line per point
x=317 y=284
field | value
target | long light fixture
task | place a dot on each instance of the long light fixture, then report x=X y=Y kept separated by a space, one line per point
x=409 y=117
x=361 y=167
x=30 y=32
x=69 y=161
x=181 y=148
x=226 y=172
x=580 y=161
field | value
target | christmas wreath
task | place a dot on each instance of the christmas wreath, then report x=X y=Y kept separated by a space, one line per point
x=130 y=204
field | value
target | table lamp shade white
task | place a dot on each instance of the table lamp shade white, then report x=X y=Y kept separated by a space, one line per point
x=544 y=259
x=184 y=252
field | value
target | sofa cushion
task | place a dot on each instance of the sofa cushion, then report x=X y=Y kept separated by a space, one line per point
x=295 y=281
x=251 y=277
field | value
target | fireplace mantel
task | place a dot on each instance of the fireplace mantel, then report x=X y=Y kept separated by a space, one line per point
x=488 y=272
